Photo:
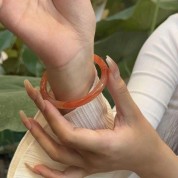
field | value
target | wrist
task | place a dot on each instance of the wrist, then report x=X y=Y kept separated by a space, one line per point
x=73 y=80
x=162 y=164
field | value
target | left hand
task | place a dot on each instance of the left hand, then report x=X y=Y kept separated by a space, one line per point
x=58 y=31
x=130 y=145
x=62 y=35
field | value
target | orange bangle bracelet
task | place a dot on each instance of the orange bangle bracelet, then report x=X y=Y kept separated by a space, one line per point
x=79 y=102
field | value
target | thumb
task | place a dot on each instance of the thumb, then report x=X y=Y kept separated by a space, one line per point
x=118 y=90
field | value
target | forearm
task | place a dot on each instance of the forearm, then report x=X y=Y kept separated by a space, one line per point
x=62 y=37
x=74 y=80
x=164 y=166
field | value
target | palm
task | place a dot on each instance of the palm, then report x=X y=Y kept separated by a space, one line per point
x=51 y=27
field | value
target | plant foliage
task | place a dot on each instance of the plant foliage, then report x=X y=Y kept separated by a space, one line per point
x=122 y=28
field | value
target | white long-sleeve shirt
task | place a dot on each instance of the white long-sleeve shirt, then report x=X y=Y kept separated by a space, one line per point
x=152 y=84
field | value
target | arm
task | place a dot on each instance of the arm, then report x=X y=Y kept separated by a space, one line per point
x=151 y=86
x=62 y=34
x=4 y=11
x=58 y=33
x=130 y=145
x=154 y=77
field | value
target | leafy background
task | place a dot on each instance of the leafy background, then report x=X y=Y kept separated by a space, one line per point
x=122 y=28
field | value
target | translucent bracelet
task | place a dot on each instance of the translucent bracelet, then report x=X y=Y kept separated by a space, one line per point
x=79 y=102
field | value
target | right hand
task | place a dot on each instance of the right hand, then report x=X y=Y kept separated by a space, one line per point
x=131 y=145
x=58 y=31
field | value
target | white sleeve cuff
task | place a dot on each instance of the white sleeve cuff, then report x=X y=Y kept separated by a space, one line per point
x=96 y=114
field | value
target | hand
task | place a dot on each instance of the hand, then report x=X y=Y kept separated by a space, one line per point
x=131 y=145
x=56 y=30
x=62 y=34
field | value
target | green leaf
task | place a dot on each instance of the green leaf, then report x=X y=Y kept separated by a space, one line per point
x=12 y=53
x=126 y=45
x=1 y=70
x=123 y=15
x=9 y=141
x=11 y=66
x=99 y=6
x=120 y=36
x=138 y=18
x=116 y=6
x=6 y=39
x=32 y=62
x=1 y=26
x=13 y=98
x=14 y=66
x=167 y=4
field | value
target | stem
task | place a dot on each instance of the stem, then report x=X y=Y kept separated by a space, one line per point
x=153 y=25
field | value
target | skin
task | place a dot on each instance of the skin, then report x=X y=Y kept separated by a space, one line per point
x=130 y=145
x=61 y=36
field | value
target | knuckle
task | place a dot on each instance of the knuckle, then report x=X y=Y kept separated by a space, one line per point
x=104 y=143
x=106 y=147
x=66 y=139
x=103 y=148
x=33 y=94
x=122 y=88
x=94 y=166
x=54 y=155
x=92 y=170
x=91 y=167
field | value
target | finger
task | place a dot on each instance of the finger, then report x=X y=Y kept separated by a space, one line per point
x=55 y=151
x=118 y=90
x=70 y=135
x=70 y=172
x=45 y=171
x=34 y=94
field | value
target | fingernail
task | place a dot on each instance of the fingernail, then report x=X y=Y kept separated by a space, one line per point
x=27 y=83
x=25 y=121
x=113 y=68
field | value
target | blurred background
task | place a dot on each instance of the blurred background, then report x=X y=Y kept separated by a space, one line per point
x=122 y=28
